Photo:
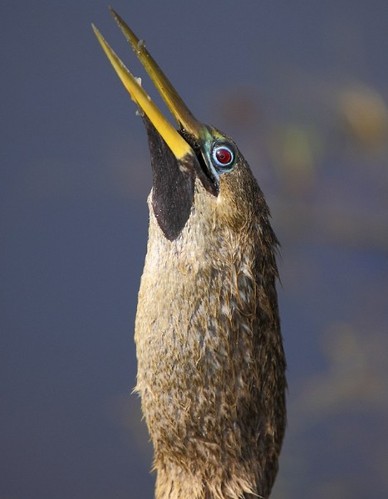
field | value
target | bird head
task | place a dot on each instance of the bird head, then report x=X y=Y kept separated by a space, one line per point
x=195 y=167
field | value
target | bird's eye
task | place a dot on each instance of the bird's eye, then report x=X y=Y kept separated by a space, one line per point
x=223 y=157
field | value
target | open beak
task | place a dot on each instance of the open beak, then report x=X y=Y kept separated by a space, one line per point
x=177 y=144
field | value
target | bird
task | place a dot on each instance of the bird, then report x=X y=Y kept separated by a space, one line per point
x=211 y=363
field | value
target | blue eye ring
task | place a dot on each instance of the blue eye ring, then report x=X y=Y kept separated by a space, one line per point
x=223 y=157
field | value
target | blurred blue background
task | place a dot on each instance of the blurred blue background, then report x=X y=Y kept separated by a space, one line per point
x=303 y=87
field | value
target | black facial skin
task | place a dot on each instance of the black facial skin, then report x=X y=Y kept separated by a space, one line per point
x=173 y=182
x=173 y=187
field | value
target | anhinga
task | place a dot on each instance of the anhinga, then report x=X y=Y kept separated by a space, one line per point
x=211 y=367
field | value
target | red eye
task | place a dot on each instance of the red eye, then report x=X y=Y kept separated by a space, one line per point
x=223 y=157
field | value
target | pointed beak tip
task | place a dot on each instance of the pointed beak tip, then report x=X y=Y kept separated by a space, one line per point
x=178 y=145
x=96 y=31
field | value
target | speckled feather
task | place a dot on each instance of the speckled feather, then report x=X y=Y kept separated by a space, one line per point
x=211 y=368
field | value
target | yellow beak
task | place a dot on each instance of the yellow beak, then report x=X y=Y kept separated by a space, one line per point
x=179 y=147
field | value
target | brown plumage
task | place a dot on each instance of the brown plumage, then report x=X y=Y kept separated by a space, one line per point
x=210 y=357
x=211 y=367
